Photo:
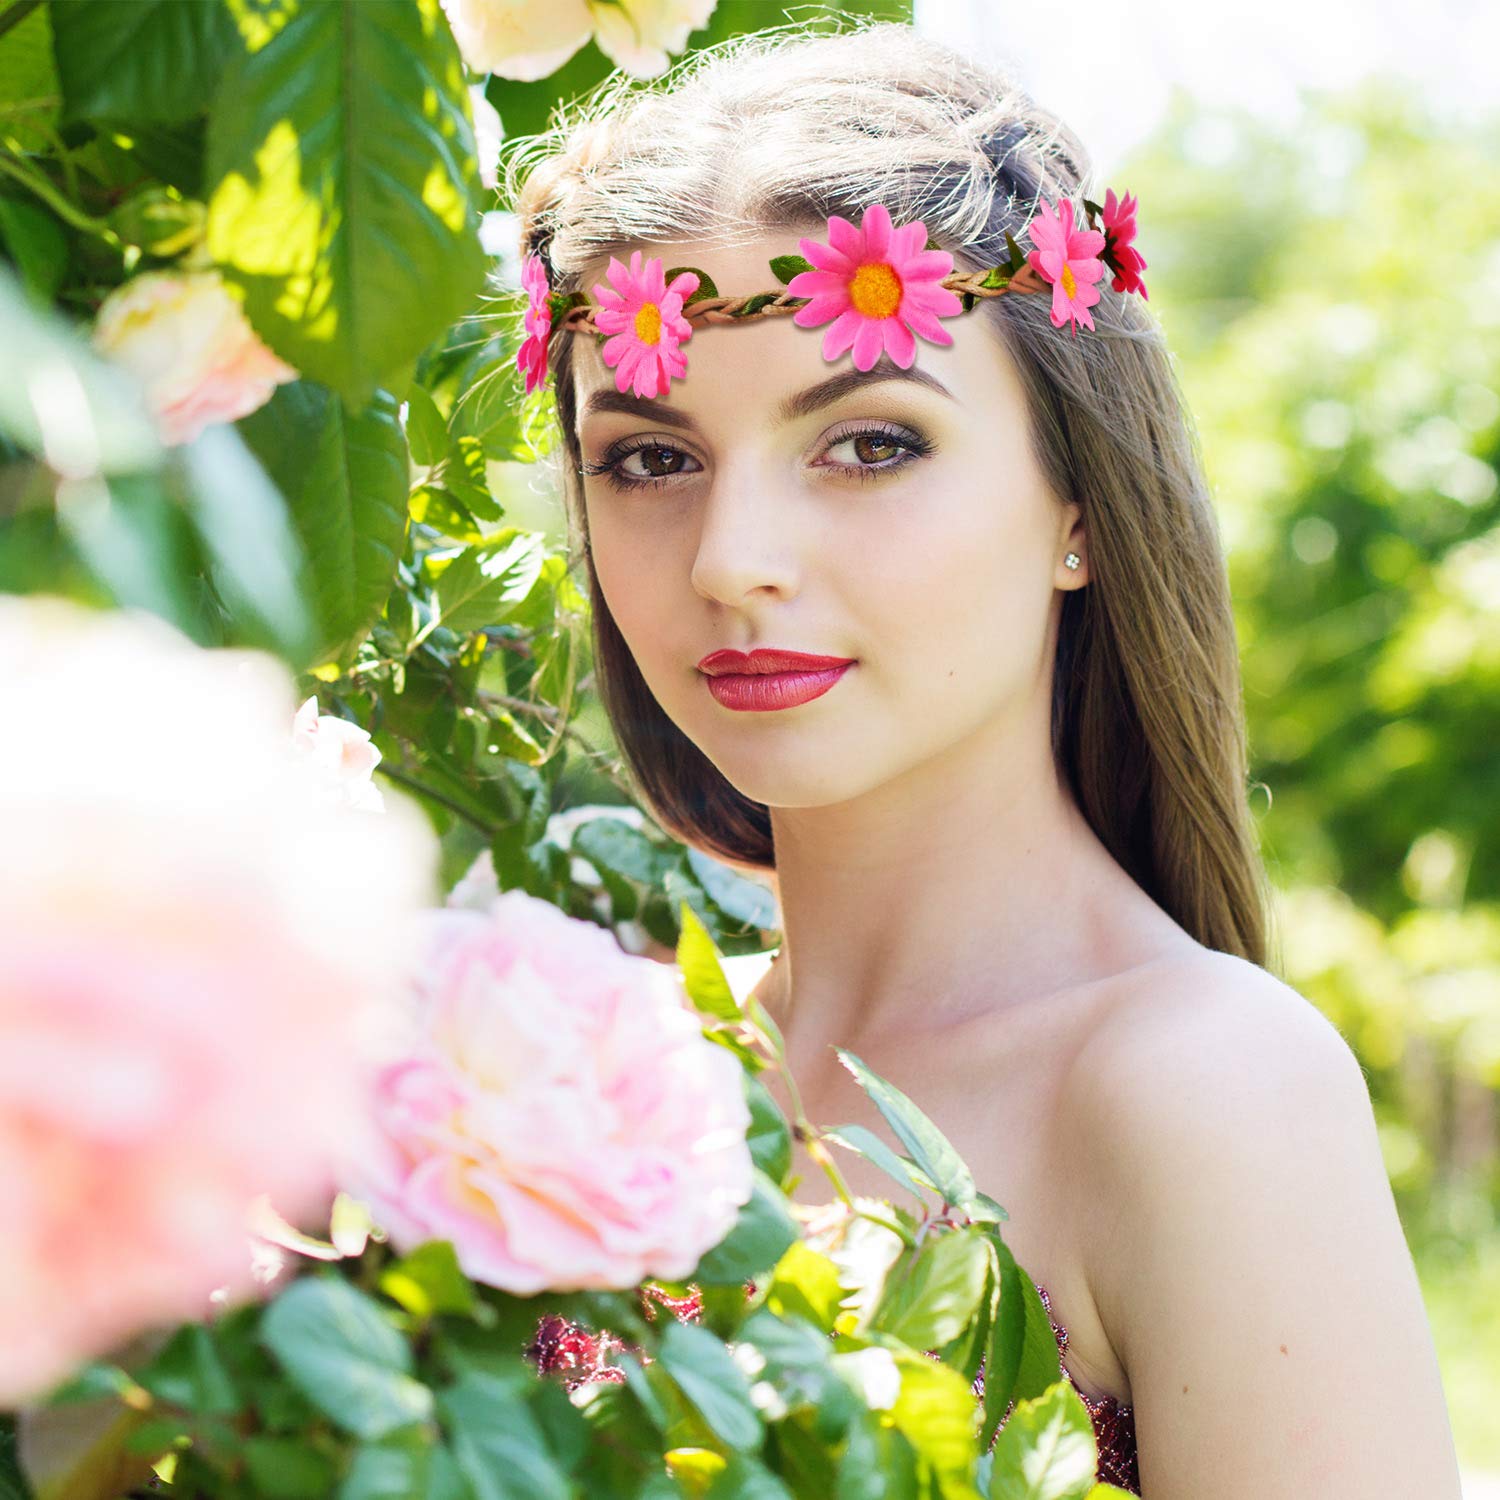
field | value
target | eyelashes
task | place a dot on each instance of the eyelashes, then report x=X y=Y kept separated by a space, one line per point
x=914 y=448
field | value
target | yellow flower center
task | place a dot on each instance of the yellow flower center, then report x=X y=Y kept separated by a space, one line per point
x=875 y=290
x=1069 y=280
x=648 y=323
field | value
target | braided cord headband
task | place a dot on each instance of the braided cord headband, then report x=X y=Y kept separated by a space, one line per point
x=878 y=286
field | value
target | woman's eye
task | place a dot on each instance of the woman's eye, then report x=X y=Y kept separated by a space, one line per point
x=874 y=452
x=645 y=465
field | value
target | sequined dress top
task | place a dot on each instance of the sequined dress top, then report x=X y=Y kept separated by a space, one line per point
x=581 y=1357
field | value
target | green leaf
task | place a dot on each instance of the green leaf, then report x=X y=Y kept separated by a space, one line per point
x=744 y=900
x=340 y=1350
x=433 y=506
x=702 y=973
x=465 y=474
x=867 y=1144
x=160 y=221
x=345 y=481
x=966 y=1352
x=497 y=1442
x=784 y=267
x=343 y=203
x=188 y=1373
x=1047 y=1449
x=28 y=82
x=1017 y=262
x=931 y=1295
x=287 y=1468
x=404 y=1468
x=35 y=242
x=426 y=431
x=754 y=304
x=148 y=60
x=770 y=1135
x=805 y=1284
x=760 y=1237
x=878 y=1463
x=486 y=581
x=745 y=1478
x=705 y=287
x=712 y=1382
x=927 y=1145
x=1021 y=1359
x=935 y=1411
x=429 y=1280
x=610 y=843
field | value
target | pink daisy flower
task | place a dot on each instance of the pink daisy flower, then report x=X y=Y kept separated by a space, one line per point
x=879 y=285
x=644 y=315
x=531 y=357
x=1119 y=230
x=1068 y=258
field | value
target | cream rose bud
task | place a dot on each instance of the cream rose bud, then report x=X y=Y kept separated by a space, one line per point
x=185 y=337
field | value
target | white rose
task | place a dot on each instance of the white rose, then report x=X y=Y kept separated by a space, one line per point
x=638 y=35
x=342 y=752
x=519 y=38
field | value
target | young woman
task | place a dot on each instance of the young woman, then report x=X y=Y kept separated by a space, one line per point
x=1006 y=811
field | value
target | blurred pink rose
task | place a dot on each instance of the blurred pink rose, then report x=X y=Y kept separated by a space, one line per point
x=184 y=336
x=341 y=754
x=196 y=947
x=554 y=1109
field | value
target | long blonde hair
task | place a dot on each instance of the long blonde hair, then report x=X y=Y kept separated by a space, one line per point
x=780 y=129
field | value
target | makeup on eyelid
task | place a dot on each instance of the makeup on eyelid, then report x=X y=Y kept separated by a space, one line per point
x=915 y=445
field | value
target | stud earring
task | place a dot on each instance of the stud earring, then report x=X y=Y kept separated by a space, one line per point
x=1072 y=560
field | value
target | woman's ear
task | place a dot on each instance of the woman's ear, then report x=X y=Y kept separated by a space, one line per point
x=1072 y=569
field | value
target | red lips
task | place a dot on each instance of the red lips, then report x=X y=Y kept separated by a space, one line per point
x=766 y=659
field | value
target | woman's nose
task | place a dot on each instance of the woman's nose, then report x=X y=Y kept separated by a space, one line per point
x=746 y=541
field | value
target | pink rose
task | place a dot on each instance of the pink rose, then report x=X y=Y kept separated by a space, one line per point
x=195 y=947
x=340 y=754
x=554 y=1109
x=184 y=336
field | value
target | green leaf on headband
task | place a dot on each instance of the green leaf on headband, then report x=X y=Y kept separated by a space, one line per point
x=784 y=267
x=706 y=287
x=996 y=276
x=755 y=303
x=562 y=303
x=1017 y=256
x=931 y=244
x=968 y=299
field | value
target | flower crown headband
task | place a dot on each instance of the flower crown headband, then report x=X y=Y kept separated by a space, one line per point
x=879 y=285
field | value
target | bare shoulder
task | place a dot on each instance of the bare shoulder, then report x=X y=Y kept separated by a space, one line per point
x=1245 y=1243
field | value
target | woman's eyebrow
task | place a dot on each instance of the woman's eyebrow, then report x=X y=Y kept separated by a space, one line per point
x=803 y=404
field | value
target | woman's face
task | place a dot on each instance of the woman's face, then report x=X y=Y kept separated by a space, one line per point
x=771 y=498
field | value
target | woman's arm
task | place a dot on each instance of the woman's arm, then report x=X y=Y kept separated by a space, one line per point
x=1256 y=1282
